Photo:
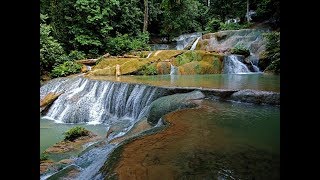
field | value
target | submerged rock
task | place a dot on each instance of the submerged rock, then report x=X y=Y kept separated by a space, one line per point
x=167 y=104
x=257 y=97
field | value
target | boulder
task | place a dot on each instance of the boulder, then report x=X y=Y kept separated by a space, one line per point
x=170 y=103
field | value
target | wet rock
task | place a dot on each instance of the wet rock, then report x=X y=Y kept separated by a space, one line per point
x=48 y=100
x=167 y=104
x=66 y=146
x=257 y=97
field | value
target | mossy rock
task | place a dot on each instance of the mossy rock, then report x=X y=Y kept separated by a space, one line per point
x=163 y=68
x=132 y=65
x=201 y=67
x=170 y=103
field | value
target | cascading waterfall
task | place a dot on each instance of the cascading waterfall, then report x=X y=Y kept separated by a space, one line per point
x=185 y=39
x=173 y=70
x=193 y=47
x=89 y=67
x=232 y=65
x=149 y=54
x=94 y=102
x=255 y=68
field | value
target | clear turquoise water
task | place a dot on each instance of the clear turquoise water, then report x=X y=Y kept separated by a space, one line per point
x=225 y=140
x=51 y=132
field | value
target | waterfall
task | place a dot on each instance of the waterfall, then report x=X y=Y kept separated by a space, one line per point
x=185 y=39
x=232 y=65
x=255 y=68
x=173 y=70
x=88 y=67
x=93 y=101
x=149 y=54
x=193 y=47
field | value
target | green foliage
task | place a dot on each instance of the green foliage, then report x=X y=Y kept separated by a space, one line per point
x=149 y=70
x=76 y=55
x=180 y=17
x=65 y=69
x=188 y=57
x=239 y=49
x=269 y=10
x=44 y=157
x=272 y=52
x=75 y=133
x=224 y=9
x=213 y=25
x=51 y=52
x=124 y=43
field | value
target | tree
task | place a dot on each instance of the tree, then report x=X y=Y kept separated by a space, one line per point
x=51 y=52
x=145 y=19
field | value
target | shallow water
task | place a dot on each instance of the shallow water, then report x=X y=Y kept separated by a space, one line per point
x=218 y=140
x=257 y=81
x=51 y=132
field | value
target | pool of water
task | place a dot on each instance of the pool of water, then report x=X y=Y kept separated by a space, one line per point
x=257 y=81
x=51 y=132
x=217 y=140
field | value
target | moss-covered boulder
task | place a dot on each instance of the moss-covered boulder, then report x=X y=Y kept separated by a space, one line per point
x=167 y=104
x=163 y=68
x=132 y=64
x=199 y=62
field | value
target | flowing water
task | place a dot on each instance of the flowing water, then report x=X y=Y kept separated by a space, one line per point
x=232 y=65
x=235 y=133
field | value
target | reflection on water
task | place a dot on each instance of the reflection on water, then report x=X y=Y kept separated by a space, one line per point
x=258 y=81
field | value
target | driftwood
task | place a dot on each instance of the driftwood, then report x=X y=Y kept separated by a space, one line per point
x=87 y=61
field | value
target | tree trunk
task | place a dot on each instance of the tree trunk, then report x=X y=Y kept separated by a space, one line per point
x=145 y=18
x=248 y=18
x=208 y=3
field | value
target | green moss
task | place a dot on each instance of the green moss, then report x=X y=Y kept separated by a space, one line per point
x=44 y=157
x=241 y=50
x=148 y=70
x=163 y=68
x=271 y=57
x=188 y=57
x=75 y=133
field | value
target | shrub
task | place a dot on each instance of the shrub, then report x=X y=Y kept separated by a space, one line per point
x=51 y=52
x=43 y=157
x=75 y=133
x=272 y=53
x=213 y=25
x=239 y=49
x=149 y=70
x=124 y=43
x=65 y=69
x=76 y=55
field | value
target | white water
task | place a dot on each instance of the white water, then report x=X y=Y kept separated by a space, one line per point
x=149 y=54
x=89 y=67
x=232 y=65
x=94 y=102
x=173 y=70
x=185 y=39
x=193 y=47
